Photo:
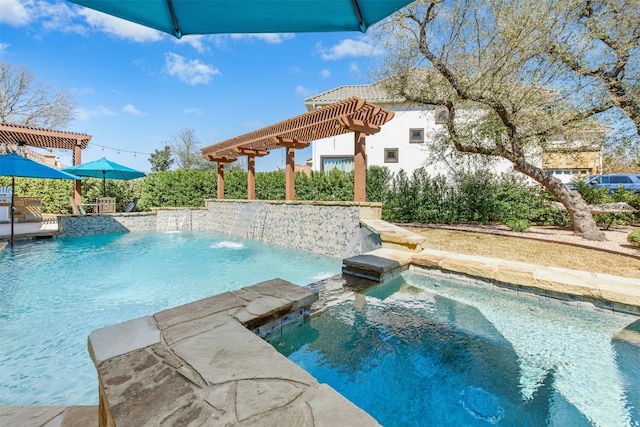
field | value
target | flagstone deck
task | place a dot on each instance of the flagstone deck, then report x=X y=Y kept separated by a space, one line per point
x=200 y=364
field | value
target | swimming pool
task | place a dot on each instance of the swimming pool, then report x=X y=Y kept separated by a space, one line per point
x=419 y=351
x=54 y=293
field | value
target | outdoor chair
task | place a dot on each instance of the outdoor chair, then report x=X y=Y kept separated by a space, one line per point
x=106 y=204
x=78 y=209
x=131 y=206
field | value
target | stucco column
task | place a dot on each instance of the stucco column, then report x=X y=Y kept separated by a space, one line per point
x=290 y=175
x=220 y=180
x=77 y=184
x=360 y=168
x=251 y=177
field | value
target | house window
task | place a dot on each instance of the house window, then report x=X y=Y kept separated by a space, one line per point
x=442 y=115
x=391 y=155
x=344 y=164
x=416 y=136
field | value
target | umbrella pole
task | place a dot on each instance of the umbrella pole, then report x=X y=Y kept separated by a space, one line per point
x=13 y=207
x=104 y=184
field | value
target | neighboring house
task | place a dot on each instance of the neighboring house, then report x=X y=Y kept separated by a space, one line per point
x=402 y=142
x=566 y=157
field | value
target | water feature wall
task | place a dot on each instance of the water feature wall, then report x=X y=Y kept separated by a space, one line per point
x=328 y=228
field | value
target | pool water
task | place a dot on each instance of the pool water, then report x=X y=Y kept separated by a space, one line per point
x=54 y=293
x=419 y=351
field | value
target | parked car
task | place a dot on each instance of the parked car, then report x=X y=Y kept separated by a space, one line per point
x=613 y=181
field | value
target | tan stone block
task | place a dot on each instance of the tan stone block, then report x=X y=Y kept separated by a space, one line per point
x=469 y=267
x=570 y=282
x=428 y=259
x=516 y=276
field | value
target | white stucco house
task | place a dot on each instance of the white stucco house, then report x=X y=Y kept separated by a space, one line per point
x=402 y=143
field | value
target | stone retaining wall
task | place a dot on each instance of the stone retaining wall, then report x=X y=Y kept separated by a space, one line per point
x=76 y=225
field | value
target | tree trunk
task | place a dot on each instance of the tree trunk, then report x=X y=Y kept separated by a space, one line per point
x=583 y=223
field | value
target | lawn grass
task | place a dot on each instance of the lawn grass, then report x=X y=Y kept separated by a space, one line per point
x=531 y=251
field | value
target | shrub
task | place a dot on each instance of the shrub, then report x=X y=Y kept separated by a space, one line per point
x=519 y=224
x=634 y=238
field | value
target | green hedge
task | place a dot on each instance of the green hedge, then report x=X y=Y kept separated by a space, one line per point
x=479 y=197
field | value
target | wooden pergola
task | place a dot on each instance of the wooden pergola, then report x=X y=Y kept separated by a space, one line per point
x=48 y=138
x=351 y=115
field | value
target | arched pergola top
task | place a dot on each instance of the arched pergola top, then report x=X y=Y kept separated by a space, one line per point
x=43 y=138
x=351 y=115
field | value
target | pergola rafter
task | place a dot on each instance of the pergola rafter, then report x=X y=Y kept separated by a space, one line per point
x=351 y=115
x=48 y=138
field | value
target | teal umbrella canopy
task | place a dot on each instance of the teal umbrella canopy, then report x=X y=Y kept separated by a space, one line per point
x=104 y=169
x=14 y=165
x=17 y=166
x=183 y=17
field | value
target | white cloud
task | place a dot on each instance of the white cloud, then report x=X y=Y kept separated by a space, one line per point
x=273 y=38
x=192 y=72
x=119 y=27
x=132 y=110
x=195 y=111
x=303 y=91
x=349 y=48
x=60 y=16
x=325 y=73
x=99 y=111
x=353 y=67
x=15 y=12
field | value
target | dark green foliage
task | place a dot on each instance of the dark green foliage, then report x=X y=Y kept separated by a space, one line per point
x=596 y=196
x=378 y=183
x=55 y=193
x=478 y=197
x=161 y=159
x=519 y=224
x=333 y=185
x=177 y=188
x=270 y=185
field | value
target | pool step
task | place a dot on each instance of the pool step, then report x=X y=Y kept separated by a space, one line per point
x=377 y=265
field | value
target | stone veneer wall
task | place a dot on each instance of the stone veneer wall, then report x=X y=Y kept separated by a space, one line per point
x=75 y=225
x=328 y=228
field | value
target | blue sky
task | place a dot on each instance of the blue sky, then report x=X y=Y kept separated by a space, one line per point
x=136 y=87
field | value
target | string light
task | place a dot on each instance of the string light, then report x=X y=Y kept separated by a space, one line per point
x=118 y=150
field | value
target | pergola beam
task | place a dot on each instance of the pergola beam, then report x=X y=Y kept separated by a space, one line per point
x=48 y=138
x=351 y=115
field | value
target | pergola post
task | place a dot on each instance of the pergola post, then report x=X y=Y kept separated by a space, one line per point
x=251 y=177
x=77 y=184
x=220 y=180
x=360 y=168
x=290 y=176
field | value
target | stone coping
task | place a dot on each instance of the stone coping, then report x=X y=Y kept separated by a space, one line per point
x=299 y=202
x=199 y=364
x=606 y=291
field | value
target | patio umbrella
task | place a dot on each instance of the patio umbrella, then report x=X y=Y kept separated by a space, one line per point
x=14 y=165
x=104 y=169
x=182 y=17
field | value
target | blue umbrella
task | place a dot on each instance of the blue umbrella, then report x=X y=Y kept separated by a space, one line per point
x=104 y=169
x=182 y=17
x=14 y=165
